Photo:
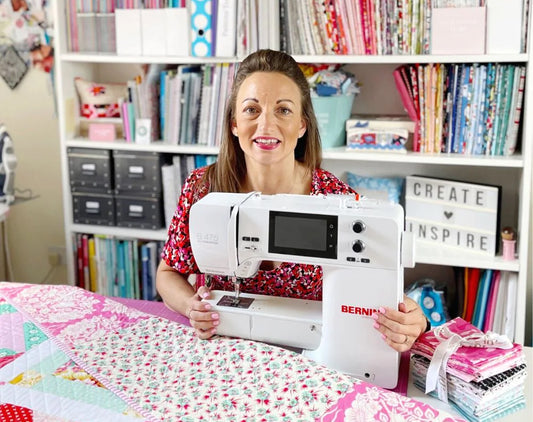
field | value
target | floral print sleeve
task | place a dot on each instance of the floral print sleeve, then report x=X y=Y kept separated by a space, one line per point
x=288 y=280
x=177 y=252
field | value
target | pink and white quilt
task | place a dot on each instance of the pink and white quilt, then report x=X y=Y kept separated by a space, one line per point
x=68 y=355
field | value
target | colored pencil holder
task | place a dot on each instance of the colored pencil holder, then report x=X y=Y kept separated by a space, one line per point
x=332 y=113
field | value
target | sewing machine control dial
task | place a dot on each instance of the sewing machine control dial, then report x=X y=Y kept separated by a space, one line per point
x=358 y=226
x=358 y=246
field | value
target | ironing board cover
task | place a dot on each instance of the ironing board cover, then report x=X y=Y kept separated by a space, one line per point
x=74 y=355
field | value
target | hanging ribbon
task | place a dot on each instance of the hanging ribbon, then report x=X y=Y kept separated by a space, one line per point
x=449 y=343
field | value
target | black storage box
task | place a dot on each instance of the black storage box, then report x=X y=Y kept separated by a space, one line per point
x=139 y=212
x=90 y=170
x=137 y=173
x=98 y=209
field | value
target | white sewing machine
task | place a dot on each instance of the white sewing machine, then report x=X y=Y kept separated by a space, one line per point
x=361 y=247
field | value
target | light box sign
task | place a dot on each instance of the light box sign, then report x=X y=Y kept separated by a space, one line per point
x=453 y=214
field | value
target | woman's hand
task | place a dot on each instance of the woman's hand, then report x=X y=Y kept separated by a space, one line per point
x=200 y=315
x=400 y=328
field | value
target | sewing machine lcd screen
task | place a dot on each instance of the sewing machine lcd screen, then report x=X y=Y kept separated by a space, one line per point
x=303 y=234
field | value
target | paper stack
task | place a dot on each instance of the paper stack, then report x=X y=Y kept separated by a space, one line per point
x=482 y=375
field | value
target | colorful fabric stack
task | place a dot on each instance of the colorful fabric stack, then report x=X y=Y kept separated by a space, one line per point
x=482 y=375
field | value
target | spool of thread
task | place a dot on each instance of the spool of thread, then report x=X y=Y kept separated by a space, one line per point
x=509 y=243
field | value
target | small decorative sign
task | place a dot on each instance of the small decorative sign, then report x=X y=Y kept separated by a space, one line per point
x=453 y=214
x=12 y=67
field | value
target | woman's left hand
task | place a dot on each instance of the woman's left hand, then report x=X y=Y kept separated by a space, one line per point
x=400 y=328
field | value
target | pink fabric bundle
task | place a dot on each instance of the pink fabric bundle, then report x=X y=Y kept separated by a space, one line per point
x=484 y=359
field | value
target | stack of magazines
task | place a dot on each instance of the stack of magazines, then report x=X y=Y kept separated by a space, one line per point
x=482 y=375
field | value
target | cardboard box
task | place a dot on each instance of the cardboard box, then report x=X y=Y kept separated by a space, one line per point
x=458 y=30
x=128 y=32
x=153 y=32
x=90 y=170
x=379 y=132
x=139 y=212
x=97 y=209
x=137 y=173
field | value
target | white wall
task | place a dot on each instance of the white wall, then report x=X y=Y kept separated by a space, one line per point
x=32 y=226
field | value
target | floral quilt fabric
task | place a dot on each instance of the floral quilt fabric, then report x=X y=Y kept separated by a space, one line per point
x=161 y=369
x=39 y=382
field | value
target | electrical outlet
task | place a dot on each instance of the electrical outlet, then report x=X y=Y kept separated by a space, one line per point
x=57 y=255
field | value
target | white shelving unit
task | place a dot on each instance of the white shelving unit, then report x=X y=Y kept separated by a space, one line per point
x=378 y=95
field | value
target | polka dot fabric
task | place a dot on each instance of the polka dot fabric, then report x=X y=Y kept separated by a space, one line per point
x=12 y=413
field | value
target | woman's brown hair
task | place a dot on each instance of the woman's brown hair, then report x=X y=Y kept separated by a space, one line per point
x=228 y=173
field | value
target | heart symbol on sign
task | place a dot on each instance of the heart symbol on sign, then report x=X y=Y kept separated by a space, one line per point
x=448 y=214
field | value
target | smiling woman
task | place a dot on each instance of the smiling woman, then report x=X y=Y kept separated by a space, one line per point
x=268 y=123
x=273 y=80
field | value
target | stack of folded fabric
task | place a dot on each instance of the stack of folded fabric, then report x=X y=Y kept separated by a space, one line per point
x=482 y=375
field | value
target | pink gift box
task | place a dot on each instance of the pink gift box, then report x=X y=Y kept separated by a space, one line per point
x=102 y=132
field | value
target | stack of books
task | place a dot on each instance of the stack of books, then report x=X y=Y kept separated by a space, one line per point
x=485 y=376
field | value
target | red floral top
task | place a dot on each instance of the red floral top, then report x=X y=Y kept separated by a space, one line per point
x=288 y=280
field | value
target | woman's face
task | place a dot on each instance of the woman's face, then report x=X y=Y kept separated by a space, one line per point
x=268 y=117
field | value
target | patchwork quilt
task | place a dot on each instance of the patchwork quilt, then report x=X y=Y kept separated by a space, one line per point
x=69 y=355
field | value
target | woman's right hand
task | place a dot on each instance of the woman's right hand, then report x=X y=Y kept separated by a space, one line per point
x=202 y=318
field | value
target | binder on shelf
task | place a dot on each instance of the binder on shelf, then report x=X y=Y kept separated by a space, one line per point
x=504 y=34
x=87 y=41
x=226 y=33
x=201 y=28
x=408 y=104
x=153 y=32
x=177 y=31
x=491 y=304
x=274 y=24
x=480 y=307
x=128 y=32
x=106 y=33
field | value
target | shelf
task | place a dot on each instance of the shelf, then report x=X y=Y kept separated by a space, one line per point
x=330 y=58
x=114 y=120
x=421 y=58
x=113 y=58
x=515 y=161
x=122 y=232
x=158 y=146
x=430 y=254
